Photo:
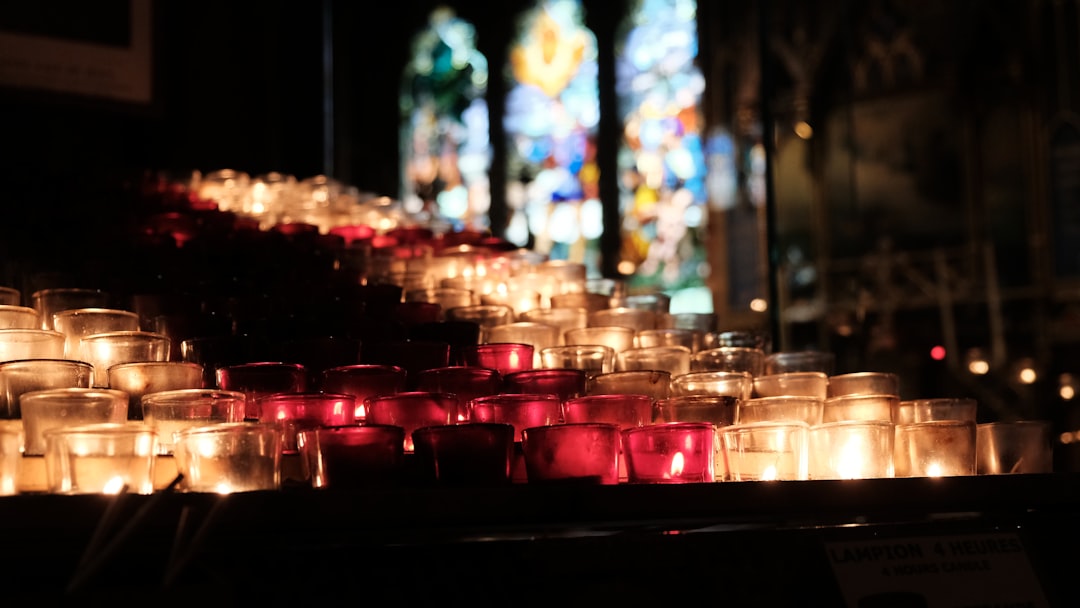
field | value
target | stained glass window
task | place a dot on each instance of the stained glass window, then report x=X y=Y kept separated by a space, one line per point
x=445 y=145
x=552 y=112
x=661 y=161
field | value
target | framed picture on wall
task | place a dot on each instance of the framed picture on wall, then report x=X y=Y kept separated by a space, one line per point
x=100 y=50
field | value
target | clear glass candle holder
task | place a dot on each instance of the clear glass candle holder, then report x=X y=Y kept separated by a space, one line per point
x=520 y=410
x=654 y=383
x=669 y=336
x=720 y=410
x=537 y=335
x=11 y=456
x=574 y=453
x=852 y=449
x=590 y=301
x=751 y=338
x=100 y=459
x=675 y=360
x=938 y=448
x=467 y=454
x=864 y=383
x=1013 y=447
x=55 y=299
x=261 y=378
x=677 y=452
x=49 y=409
x=563 y=318
x=412 y=410
x=618 y=339
x=294 y=412
x=565 y=383
x=18 y=317
x=861 y=407
x=467 y=382
x=170 y=411
x=28 y=375
x=778 y=409
x=936 y=408
x=107 y=349
x=484 y=315
x=794 y=384
x=766 y=451
x=145 y=377
x=735 y=384
x=353 y=456
x=229 y=457
x=10 y=296
x=624 y=411
x=592 y=359
x=503 y=357
x=17 y=344
x=363 y=381
x=700 y=323
x=637 y=319
x=730 y=359
x=800 y=361
x=445 y=297
x=76 y=323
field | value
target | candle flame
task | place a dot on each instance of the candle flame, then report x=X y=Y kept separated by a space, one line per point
x=514 y=361
x=769 y=474
x=678 y=462
x=934 y=470
x=113 y=486
x=223 y=488
x=850 y=459
x=361 y=414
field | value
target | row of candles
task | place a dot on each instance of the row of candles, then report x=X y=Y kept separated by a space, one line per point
x=530 y=373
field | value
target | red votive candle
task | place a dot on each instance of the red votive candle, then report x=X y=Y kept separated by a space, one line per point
x=412 y=410
x=585 y=453
x=351 y=456
x=470 y=454
x=522 y=410
x=678 y=452
x=464 y=381
x=294 y=412
x=363 y=381
x=259 y=379
x=626 y=411
x=564 y=382
x=504 y=357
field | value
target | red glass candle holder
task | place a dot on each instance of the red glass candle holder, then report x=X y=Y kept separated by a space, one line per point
x=352 y=456
x=470 y=454
x=566 y=383
x=504 y=357
x=466 y=382
x=585 y=453
x=363 y=381
x=522 y=410
x=678 y=452
x=624 y=411
x=294 y=412
x=259 y=379
x=412 y=410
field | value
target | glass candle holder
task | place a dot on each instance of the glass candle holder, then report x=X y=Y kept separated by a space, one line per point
x=145 y=377
x=624 y=411
x=677 y=452
x=464 y=381
x=800 y=361
x=852 y=449
x=445 y=297
x=538 y=335
x=352 y=456
x=231 y=457
x=590 y=301
x=18 y=317
x=750 y=338
x=468 y=454
x=105 y=350
x=363 y=381
x=565 y=383
x=766 y=451
x=700 y=323
x=9 y=296
x=1014 y=446
x=17 y=344
x=861 y=407
x=735 y=384
x=100 y=459
x=795 y=384
x=937 y=408
x=564 y=319
x=27 y=375
x=592 y=359
x=76 y=323
x=669 y=336
x=656 y=301
x=938 y=448
x=517 y=409
x=575 y=453
x=720 y=410
x=518 y=298
x=654 y=383
x=484 y=315
x=636 y=319
x=11 y=456
x=618 y=339
x=63 y=407
x=778 y=409
x=170 y=411
x=864 y=383
x=261 y=378
x=675 y=360
x=412 y=410
x=53 y=300
x=503 y=357
x=730 y=359
x=293 y=412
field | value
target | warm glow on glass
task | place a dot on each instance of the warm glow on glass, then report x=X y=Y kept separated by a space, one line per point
x=769 y=473
x=113 y=486
x=979 y=367
x=1027 y=375
x=1067 y=392
x=678 y=461
x=851 y=459
x=933 y=470
x=759 y=305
